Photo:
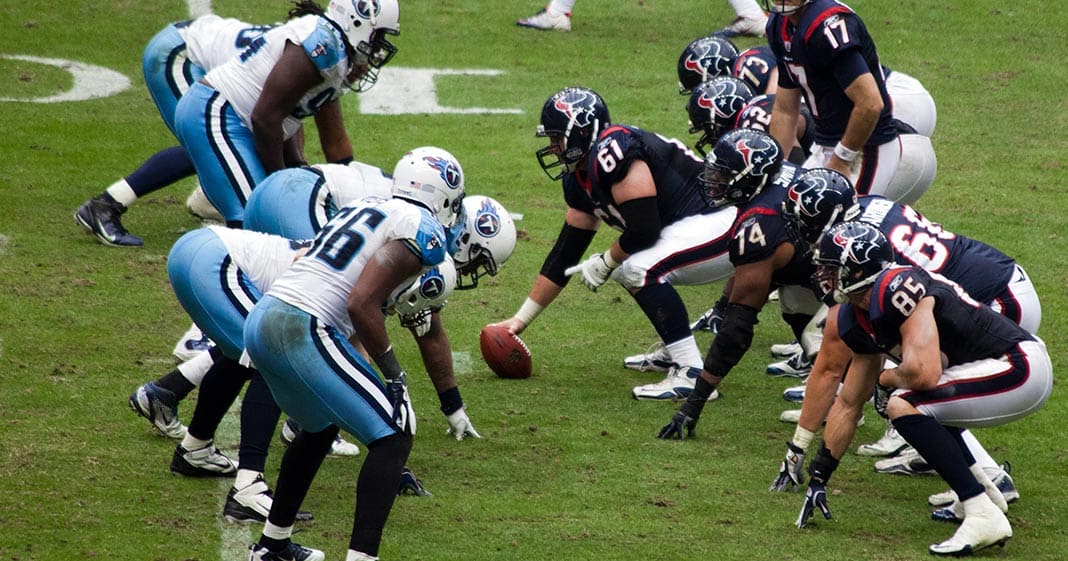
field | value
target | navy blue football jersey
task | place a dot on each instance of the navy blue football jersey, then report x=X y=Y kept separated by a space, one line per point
x=967 y=330
x=980 y=269
x=674 y=168
x=754 y=66
x=814 y=56
x=757 y=115
x=760 y=229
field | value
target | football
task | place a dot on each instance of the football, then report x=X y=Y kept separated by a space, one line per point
x=505 y=353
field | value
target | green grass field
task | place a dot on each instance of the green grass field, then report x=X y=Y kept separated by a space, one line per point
x=568 y=467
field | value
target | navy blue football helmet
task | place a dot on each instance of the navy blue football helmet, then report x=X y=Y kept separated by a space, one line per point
x=713 y=107
x=818 y=199
x=705 y=58
x=741 y=163
x=849 y=257
x=572 y=119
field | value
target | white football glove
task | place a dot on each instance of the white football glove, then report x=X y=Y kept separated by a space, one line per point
x=460 y=426
x=595 y=270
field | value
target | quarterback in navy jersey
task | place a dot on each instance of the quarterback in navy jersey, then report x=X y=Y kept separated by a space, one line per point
x=746 y=169
x=959 y=365
x=826 y=55
x=644 y=186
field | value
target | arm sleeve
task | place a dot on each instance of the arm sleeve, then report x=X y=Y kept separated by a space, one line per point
x=568 y=249
x=733 y=340
x=643 y=224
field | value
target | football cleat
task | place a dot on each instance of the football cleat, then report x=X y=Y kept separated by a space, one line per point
x=199 y=206
x=204 y=462
x=797 y=366
x=709 y=321
x=795 y=394
x=907 y=462
x=889 y=444
x=253 y=503
x=547 y=20
x=411 y=485
x=1002 y=480
x=192 y=343
x=339 y=448
x=677 y=385
x=794 y=415
x=656 y=359
x=100 y=217
x=748 y=26
x=984 y=525
x=291 y=552
x=785 y=350
x=160 y=407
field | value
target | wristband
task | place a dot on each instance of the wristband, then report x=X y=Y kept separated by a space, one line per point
x=803 y=437
x=387 y=362
x=607 y=258
x=528 y=311
x=451 y=401
x=845 y=154
x=343 y=161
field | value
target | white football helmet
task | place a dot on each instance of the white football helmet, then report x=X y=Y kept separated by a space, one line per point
x=429 y=292
x=365 y=24
x=486 y=243
x=432 y=178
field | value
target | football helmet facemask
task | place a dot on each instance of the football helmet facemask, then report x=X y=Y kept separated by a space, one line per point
x=428 y=293
x=705 y=58
x=784 y=7
x=818 y=199
x=741 y=163
x=572 y=119
x=432 y=178
x=365 y=25
x=849 y=257
x=714 y=106
x=486 y=243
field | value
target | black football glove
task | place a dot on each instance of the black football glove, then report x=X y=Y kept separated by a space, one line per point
x=815 y=497
x=674 y=428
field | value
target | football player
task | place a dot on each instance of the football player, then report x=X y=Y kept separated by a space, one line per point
x=825 y=53
x=298 y=337
x=256 y=101
x=821 y=199
x=959 y=364
x=644 y=186
x=746 y=169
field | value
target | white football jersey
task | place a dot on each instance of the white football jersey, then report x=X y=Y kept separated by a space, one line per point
x=212 y=40
x=352 y=182
x=262 y=257
x=241 y=79
x=320 y=281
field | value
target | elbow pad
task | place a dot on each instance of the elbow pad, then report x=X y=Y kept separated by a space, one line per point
x=567 y=251
x=733 y=340
x=643 y=224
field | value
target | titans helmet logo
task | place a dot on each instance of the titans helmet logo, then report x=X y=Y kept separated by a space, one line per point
x=577 y=106
x=366 y=9
x=448 y=170
x=432 y=285
x=487 y=222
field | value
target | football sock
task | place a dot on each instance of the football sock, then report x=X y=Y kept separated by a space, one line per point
x=561 y=6
x=299 y=465
x=941 y=450
x=663 y=306
x=195 y=368
x=376 y=489
x=982 y=457
x=174 y=382
x=245 y=477
x=259 y=417
x=358 y=556
x=190 y=442
x=121 y=192
x=158 y=171
x=685 y=352
x=218 y=391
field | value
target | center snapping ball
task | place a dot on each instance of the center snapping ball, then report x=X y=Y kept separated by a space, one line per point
x=505 y=353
